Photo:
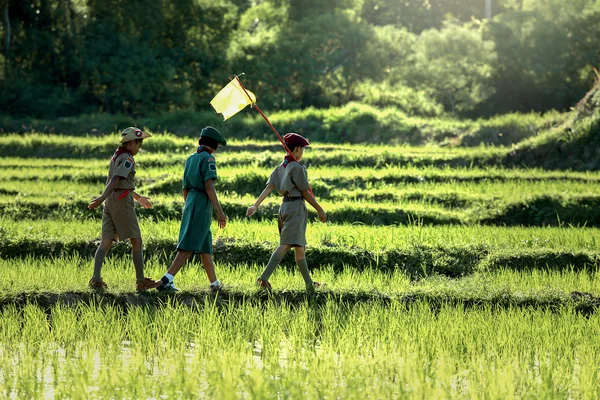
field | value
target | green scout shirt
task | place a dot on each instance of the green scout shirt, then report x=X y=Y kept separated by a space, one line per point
x=123 y=166
x=291 y=180
x=199 y=168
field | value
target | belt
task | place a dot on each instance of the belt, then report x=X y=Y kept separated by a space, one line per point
x=122 y=195
x=292 y=198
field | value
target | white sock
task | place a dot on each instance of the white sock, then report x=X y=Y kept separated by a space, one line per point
x=169 y=277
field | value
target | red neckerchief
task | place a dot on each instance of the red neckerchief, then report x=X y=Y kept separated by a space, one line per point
x=287 y=159
x=120 y=150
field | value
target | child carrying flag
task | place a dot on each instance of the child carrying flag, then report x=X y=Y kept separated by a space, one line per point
x=291 y=181
x=119 y=220
x=200 y=197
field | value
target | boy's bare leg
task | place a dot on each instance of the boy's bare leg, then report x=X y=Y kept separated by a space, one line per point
x=209 y=267
x=299 y=252
x=99 y=258
x=274 y=261
x=302 y=265
x=179 y=261
x=176 y=264
x=138 y=258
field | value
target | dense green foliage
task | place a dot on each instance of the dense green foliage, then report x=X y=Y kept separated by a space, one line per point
x=538 y=141
x=64 y=58
x=352 y=123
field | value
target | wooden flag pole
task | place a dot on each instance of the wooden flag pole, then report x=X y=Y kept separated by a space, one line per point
x=271 y=125
x=266 y=119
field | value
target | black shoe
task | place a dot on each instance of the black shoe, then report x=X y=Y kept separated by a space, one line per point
x=167 y=287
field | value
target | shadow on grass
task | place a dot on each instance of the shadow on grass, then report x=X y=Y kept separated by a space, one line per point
x=584 y=303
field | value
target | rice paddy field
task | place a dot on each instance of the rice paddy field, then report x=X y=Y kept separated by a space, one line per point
x=447 y=276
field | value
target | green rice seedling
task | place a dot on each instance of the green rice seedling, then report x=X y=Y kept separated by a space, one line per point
x=334 y=350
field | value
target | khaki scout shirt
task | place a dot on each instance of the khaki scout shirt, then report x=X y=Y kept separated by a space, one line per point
x=291 y=180
x=123 y=166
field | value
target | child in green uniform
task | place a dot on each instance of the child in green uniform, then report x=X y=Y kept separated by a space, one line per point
x=119 y=220
x=291 y=181
x=200 y=197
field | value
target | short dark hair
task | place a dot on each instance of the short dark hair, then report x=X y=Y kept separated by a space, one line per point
x=291 y=147
x=210 y=142
x=134 y=140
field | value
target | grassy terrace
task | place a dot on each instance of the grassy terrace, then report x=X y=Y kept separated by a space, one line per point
x=447 y=276
x=414 y=250
x=385 y=195
x=35 y=280
x=371 y=238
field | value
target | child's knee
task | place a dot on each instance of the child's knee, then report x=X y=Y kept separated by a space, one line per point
x=105 y=244
x=136 y=243
x=184 y=255
x=299 y=252
x=283 y=248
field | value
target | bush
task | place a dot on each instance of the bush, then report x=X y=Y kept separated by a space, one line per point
x=21 y=99
x=574 y=146
x=540 y=259
x=509 y=128
x=549 y=210
x=405 y=99
x=352 y=123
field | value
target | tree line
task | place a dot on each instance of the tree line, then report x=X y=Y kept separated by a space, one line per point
x=425 y=57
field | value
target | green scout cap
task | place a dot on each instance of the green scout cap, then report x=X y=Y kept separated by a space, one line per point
x=133 y=133
x=214 y=134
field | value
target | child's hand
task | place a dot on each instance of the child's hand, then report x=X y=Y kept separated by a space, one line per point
x=221 y=219
x=251 y=211
x=145 y=202
x=95 y=203
x=322 y=215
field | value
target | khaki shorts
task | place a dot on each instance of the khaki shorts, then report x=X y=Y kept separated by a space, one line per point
x=119 y=220
x=292 y=220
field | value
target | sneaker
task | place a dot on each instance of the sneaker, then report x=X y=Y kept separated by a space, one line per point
x=97 y=284
x=144 y=285
x=263 y=284
x=216 y=287
x=167 y=287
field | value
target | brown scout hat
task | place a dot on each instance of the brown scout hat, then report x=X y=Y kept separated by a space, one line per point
x=133 y=133
x=293 y=139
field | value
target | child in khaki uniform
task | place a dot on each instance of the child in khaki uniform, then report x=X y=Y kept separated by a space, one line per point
x=291 y=181
x=119 y=220
x=200 y=199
